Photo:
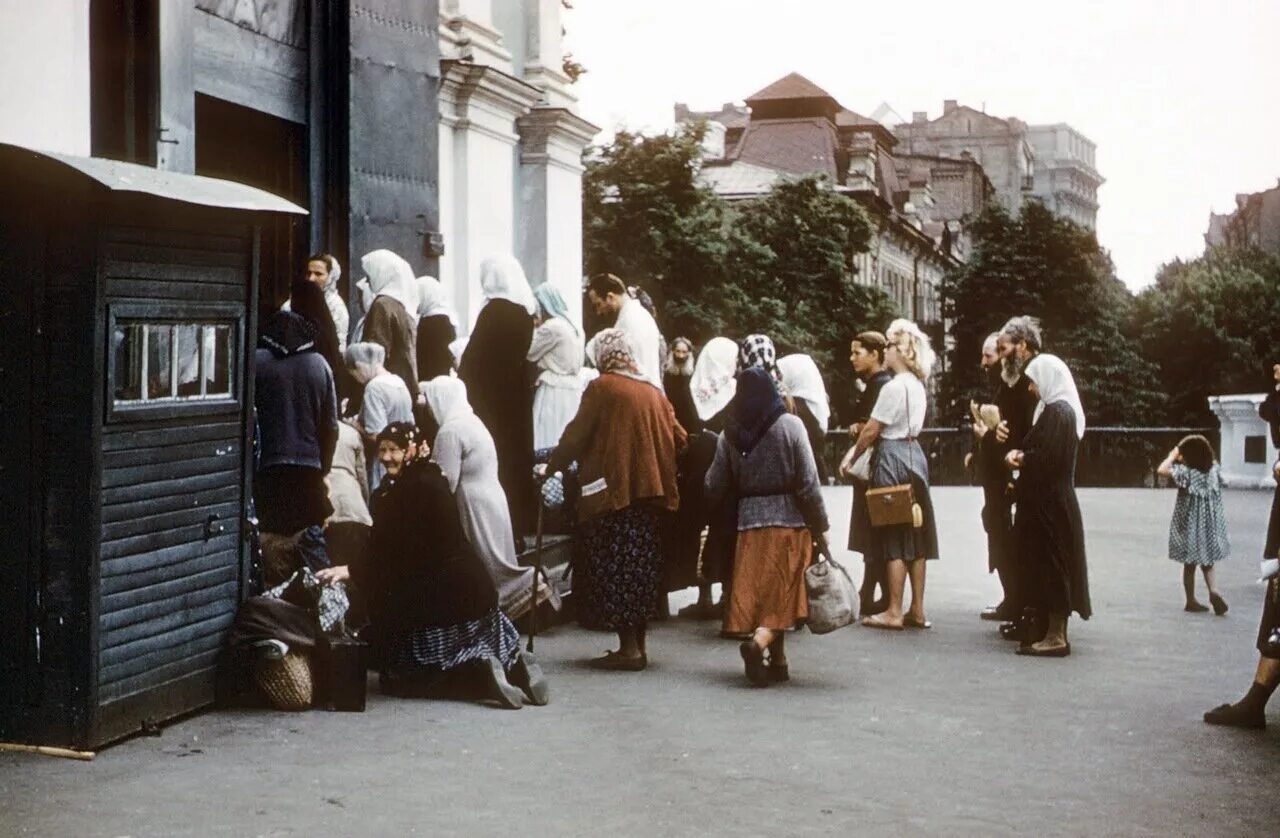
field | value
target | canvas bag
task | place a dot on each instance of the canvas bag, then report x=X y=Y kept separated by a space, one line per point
x=831 y=592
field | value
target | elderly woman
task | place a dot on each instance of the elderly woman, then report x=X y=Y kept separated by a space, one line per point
x=385 y=398
x=437 y=328
x=494 y=370
x=556 y=351
x=758 y=351
x=803 y=383
x=431 y=607
x=1047 y=527
x=625 y=439
x=895 y=423
x=764 y=460
x=464 y=452
x=392 y=318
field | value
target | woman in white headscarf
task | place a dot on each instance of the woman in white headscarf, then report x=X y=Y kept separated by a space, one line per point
x=803 y=383
x=392 y=319
x=1047 y=528
x=712 y=386
x=437 y=328
x=495 y=370
x=557 y=353
x=464 y=452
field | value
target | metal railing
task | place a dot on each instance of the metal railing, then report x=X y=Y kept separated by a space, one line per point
x=1116 y=457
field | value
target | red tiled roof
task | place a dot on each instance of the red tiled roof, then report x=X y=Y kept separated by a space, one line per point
x=791 y=86
x=795 y=146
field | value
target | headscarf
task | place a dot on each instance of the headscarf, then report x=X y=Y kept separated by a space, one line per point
x=390 y=276
x=1055 y=383
x=401 y=433
x=803 y=380
x=756 y=406
x=614 y=354
x=502 y=278
x=306 y=299
x=287 y=333
x=713 y=383
x=758 y=351
x=446 y=398
x=433 y=300
x=552 y=304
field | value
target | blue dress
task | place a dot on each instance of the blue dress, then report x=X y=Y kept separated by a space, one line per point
x=1198 y=532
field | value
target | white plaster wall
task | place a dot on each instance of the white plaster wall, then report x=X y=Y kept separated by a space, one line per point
x=486 y=211
x=564 y=219
x=44 y=74
x=454 y=245
x=1238 y=418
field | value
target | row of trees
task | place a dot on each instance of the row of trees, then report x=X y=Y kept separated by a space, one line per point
x=778 y=265
x=781 y=265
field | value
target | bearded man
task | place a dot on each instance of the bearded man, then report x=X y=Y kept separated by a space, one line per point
x=1017 y=342
x=677 y=377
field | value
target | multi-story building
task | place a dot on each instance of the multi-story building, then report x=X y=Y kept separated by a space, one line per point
x=1066 y=177
x=1255 y=222
x=1002 y=147
x=793 y=128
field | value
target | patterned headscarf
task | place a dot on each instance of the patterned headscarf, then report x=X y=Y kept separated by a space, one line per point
x=401 y=433
x=758 y=351
x=614 y=353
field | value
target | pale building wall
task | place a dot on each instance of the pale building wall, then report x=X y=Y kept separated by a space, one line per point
x=44 y=75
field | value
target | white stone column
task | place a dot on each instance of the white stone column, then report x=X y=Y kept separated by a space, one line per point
x=549 y=228
x=544 y=52
x=478 y=110
x=467 y=32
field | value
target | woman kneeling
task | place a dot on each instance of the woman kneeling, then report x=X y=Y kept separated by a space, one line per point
x=431 y=605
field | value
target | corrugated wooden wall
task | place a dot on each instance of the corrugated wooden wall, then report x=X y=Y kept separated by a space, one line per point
x=169 y=588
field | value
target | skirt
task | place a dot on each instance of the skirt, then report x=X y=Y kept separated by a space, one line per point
x=554 y=406
x=768 y=580
x=442 y=648
x=898 y=461
x=617 y=569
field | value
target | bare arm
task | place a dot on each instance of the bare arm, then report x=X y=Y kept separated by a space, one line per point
x=1165 y=469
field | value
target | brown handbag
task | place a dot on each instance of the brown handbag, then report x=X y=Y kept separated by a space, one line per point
x=895 y=506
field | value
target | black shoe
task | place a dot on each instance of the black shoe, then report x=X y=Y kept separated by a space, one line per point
x=1219 y=604
x=778 y=673
x=1234 y=715
x=1034 y=627
x=527 y=675
x=753 y=663
x=998 y=613
x=498 y=687
x=1011 y=630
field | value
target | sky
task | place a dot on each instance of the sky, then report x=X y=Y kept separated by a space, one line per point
x=1182 y=97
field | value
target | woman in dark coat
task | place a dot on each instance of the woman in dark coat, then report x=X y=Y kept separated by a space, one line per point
x=1047 y=529
x=436 y=322
x=392 y=318
x=494 y=368
x=431 y=605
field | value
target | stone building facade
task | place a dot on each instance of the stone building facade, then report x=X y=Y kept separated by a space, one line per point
x=1066 y=177
x=1255 y=223
x=793 y=128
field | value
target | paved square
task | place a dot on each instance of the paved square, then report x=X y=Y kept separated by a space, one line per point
x=944 y=732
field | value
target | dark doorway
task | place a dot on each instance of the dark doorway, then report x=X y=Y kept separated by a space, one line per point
x=124 y=60
x=254 y=148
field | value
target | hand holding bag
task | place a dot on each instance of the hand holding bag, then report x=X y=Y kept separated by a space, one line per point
x=831 y=592
x=895 y=506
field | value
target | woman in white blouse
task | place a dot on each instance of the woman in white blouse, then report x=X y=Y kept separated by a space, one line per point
x=557 y=351
x=896 y=421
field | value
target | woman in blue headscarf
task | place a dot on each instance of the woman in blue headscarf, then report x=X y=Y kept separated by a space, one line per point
x=556 y=350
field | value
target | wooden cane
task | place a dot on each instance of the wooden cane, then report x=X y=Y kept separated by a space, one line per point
x=537 y=573
x=47 y=750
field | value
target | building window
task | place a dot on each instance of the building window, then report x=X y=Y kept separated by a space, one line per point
x=160 y=364
x=1255 y=449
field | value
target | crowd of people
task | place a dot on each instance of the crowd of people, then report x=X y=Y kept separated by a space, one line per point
x=408 y=455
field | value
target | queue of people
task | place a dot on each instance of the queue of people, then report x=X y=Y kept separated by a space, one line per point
x=412 y=468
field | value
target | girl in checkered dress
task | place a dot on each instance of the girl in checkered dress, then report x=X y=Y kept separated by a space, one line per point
x=1198 y=531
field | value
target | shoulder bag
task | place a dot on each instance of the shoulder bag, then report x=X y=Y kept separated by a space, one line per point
x=895 y=506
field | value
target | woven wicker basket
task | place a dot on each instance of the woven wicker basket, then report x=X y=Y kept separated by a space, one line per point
x=285 y=682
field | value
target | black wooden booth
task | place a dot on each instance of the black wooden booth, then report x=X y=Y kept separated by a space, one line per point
x=127 y=315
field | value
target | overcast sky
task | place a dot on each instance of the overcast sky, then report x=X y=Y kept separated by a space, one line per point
x=1181 y=96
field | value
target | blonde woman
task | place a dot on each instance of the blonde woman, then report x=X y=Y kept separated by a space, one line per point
x=895 y=423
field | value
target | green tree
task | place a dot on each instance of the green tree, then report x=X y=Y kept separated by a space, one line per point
x=1212 y=326
x=1048 y=267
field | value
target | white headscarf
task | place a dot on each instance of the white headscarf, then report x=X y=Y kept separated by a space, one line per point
x=502 y=278
x=1055 y=383
x=803 y=381
x=390 y=276
x=714 y=382
x=433 y=300
x=446 y=398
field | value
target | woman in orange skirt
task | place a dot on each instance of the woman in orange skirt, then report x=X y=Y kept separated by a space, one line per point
x=764 y=459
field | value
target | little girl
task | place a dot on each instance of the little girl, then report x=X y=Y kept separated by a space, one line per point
x=1198 y=532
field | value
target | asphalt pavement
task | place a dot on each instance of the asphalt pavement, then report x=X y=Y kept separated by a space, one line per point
x=939 y=732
